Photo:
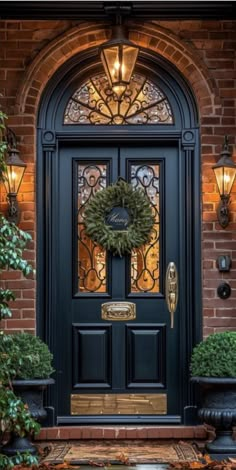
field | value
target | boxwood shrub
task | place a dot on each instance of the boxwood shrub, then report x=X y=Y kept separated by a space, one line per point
x=215 y=357
x=34 y=360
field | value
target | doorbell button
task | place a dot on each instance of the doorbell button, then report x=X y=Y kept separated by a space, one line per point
x=224 y=290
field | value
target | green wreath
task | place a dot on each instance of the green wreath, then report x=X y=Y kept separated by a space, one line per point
x=137 y=204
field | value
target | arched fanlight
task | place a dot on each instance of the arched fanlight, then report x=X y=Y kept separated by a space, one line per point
x=118 y=56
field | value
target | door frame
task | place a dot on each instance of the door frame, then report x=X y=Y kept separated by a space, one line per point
x=187 y=140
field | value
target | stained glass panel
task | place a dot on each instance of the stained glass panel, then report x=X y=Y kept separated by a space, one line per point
x=92 y=258
x=145 y=269
x=96 y=103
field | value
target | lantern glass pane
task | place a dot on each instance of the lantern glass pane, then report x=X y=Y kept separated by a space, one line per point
x=129 y=57
x=229 y=175
x=219 y=178
x=110 y=60
x=225 y=176
x=14 y=177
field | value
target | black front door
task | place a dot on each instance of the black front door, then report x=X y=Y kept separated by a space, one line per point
x=112 y=368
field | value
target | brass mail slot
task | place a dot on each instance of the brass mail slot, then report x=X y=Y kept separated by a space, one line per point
x=118 y=311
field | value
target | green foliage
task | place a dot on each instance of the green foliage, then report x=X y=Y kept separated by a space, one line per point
x=8 y=463
x=9 y=354
x=12 y=240
x=216 y=356
x=138 y=205
x=14 y=415
x=29 y=357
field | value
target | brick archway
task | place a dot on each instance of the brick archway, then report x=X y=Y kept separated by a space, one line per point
x=149 y=36
x=202 y=52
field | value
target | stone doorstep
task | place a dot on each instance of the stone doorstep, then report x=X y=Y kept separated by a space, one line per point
x=122 y=432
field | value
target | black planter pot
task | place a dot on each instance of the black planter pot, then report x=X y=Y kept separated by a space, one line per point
x=19 y=445
x=218 y=408
x=31 y=393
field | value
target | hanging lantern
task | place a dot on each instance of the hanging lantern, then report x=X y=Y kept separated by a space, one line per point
x=118 y=56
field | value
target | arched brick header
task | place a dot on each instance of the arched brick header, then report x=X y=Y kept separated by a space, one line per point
x=203 y=51
x=149 y=36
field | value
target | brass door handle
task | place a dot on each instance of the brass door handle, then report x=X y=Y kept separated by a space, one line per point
x=172 y=290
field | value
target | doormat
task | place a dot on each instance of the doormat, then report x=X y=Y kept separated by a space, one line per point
x=122 y=452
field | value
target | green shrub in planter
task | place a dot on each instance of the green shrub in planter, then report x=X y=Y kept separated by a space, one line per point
x=34 y=360
x=213 y=369
x=215 y=357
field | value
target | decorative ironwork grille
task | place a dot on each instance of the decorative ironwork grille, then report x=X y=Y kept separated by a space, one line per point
x=92 y=269
x=145 y=270
x=96 y=103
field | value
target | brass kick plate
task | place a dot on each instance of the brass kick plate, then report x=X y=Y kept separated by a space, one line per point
x=119 y=404
x=118 y=311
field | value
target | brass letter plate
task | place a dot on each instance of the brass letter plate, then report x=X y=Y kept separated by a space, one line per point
x=118 y=311
x=119 y=404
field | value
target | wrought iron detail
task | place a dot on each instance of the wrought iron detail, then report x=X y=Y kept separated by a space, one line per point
x=94 y=102
x=91 y=257
x=145 y=270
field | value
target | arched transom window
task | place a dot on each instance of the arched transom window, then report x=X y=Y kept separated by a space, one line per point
x=94 y=102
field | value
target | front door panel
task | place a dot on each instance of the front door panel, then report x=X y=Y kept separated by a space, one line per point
x=112 y=366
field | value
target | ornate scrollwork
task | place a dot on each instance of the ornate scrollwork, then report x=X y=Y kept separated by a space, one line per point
x=95 y=103
x=92 y=257
x=145 y=260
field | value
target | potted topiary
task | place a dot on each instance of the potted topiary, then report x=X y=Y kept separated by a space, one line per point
x=32 y=368
x=213 y=367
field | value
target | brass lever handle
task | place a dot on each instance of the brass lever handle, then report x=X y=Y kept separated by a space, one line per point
x=172 y=290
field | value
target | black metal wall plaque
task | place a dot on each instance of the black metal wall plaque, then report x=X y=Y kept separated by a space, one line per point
x=118 y=219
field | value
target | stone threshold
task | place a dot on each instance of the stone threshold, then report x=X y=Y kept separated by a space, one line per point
x=122 y=432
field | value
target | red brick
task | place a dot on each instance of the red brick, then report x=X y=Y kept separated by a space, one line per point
x=121 y=433
x=154 y=433
x=64 y=433
x=20 y=324
x=209 y=312
x=53 y=433
x=131 y=433
x=142 y=433
x=97 y=433
x=28 y=313
x=109 y=433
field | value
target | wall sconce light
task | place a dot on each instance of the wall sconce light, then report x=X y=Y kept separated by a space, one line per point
x=118 y=56
x=225 y=171
x=15 y=169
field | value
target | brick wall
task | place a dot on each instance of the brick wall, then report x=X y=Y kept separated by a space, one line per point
x=203 y=51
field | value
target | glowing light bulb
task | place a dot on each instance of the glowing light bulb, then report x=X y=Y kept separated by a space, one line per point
x=226 y=178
